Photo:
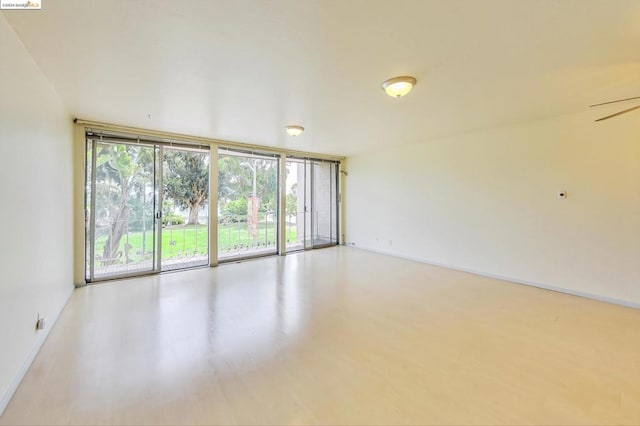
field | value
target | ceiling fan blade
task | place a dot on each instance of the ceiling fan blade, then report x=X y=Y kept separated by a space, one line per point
x=616 y=101
x=618 y=113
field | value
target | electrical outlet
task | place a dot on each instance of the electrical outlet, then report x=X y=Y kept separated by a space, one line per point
x=40 y=323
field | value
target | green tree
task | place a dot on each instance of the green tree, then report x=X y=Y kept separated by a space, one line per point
x=186 y=180
x=235 y=207
x=292 y=200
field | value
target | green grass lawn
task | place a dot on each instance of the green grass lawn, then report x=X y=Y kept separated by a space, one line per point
x=190 y=240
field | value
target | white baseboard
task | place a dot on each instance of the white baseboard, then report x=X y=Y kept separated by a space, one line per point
x=27 y=363
x=597 y=297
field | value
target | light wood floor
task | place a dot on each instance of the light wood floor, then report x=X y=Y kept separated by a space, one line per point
x=333 y=336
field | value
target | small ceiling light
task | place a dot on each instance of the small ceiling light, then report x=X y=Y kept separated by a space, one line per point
x=294 y=130
x=398 y=86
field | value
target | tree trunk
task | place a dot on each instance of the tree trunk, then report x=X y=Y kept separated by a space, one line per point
x=253 y=205
x=194 y=206
x=194 y=210
x=111 y=250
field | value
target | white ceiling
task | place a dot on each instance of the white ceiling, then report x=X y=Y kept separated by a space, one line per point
x=241 y=70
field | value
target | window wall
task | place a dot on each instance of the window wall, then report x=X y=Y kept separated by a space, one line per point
x=148 y=206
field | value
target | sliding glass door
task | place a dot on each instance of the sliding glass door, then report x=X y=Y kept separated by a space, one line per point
x=247 y=204
x=146 y=208
x=324 y=229
x=185 y=208
x=312 y=207
x=121 y=206
x=298 y=202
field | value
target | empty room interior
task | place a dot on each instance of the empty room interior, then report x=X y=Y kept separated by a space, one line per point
x=343 y=212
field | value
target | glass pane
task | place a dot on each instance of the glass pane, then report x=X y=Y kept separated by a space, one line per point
x=308 y=206
x=247 y=205
x=323 y=229
x=124 y=238
x=334 y=203
x=296 y=205
x=185 y=209
x=87 y=209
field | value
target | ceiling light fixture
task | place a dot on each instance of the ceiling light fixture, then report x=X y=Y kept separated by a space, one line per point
x=294 y=130
x=399 y=86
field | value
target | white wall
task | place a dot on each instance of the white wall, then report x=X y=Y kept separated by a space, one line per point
x=486 y=202
x=35 y=207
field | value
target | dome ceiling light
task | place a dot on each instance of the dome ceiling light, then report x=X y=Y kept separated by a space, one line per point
x=399 y=86
x=294 y=130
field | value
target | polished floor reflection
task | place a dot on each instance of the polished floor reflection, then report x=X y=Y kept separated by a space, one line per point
x=332 y=336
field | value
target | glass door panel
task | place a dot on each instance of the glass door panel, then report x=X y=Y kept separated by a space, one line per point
x=335 y=204
x=298 y=220
x=324 y=216
x=247 y=205
x=122 y=232
x=312 y=214
x=185 y=208
x=308 y=205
